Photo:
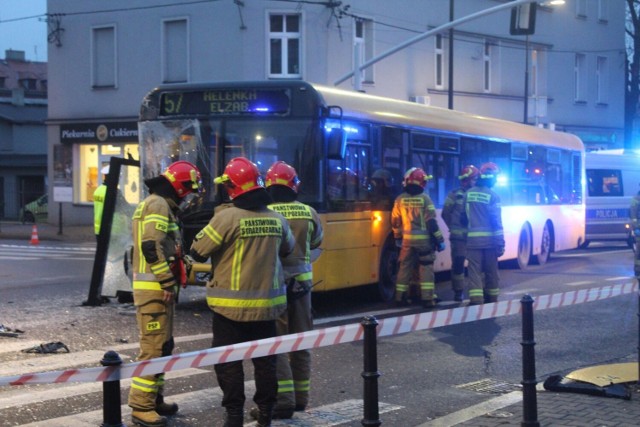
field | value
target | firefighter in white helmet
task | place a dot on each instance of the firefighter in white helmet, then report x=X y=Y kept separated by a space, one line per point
x=416 y=231
x=156 y=255
x=247 y=293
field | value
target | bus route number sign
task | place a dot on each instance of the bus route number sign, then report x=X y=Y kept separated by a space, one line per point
x=225 y=102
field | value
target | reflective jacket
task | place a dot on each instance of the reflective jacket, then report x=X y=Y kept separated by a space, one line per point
x=413 y=219
x=155 y=239
x=452 y=214
x=634 y=211
x=307 y=231
x=484 y=215
x=244 y=246
x=98 y=207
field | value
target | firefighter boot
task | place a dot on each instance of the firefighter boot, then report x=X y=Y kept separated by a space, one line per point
x=164 y=408
x=265 y=414
x=147 y=418
x=457 y=296
x=234 y=417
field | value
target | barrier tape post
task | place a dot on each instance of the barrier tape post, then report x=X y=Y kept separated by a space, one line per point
x=370 y=373
x=111 y=413
x=529 y=398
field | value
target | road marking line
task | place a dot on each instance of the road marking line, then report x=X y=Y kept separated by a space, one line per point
x=586 y=282
x=475 y=411
x=611 y=279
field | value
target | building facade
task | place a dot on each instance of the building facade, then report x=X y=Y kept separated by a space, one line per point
x=23 y=140
x=102 y=64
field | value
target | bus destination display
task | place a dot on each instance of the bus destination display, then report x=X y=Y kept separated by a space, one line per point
x=225 y=102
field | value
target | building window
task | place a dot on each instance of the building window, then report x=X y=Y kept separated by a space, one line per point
x=602 y=76
x=43 y=85
x=284 y=46
x=363 y=46
x=28 y=84
x=103 y=57
x=580 y=76
x=603 y=11
x=91 y=158
x=439 y=62
x=3 y=81
x=175 y=50
x=581 y=9
x=486 y=57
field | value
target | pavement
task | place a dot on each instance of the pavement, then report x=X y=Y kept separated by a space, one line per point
x=47 y=232
x=551 y=409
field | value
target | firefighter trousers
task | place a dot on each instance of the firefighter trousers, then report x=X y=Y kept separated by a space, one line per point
x=483 y=262
x=294 y=369
x=636 y=259
x=458 y=256
x=155 y=323
x=230 y=375
x=410 y=257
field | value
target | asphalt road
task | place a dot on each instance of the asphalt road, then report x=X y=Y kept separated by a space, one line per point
x=424 y=375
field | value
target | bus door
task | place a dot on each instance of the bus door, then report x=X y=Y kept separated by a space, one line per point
x=349 y=256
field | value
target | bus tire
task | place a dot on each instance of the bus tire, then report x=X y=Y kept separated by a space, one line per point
x=523 y=256
x=388 y=270
x=545 y=245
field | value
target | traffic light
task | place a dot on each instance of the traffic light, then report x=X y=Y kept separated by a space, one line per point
x=523 y=19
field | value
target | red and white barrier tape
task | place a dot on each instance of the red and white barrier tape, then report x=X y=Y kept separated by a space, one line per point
x=317 y=338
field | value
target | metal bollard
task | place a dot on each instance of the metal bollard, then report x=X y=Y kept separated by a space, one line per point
x=370 y=373
x=529 y=398
x=111 y=413
x=638 y=383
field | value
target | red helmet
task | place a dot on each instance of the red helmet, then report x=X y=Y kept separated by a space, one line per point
x=489 y=170
x=240 y=176
x=468 y=173
x=280 y=173
x=184 y=177
x=416 y=176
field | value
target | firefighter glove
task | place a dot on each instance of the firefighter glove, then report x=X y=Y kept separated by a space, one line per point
x=441 y=246
x=399 y=243
x=188 y=263
x=636 y=232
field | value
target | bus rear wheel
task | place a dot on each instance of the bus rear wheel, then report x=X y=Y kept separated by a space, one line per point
x=524 y=248
x=545 y=246
x=388 y=271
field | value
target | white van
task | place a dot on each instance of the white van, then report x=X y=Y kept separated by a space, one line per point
x=613 y=178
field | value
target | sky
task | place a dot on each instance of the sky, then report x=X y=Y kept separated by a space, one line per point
x=28 y=35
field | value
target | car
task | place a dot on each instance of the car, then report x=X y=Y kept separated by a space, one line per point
x=35 y=211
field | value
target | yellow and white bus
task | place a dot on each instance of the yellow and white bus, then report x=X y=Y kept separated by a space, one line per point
x=351 y=150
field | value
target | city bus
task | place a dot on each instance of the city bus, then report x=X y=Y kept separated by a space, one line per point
x=351 y=150
x=613 y=178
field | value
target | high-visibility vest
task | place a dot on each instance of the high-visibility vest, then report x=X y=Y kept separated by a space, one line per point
x=98 y=206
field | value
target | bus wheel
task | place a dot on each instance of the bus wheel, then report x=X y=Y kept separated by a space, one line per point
x=545 y=246
x=524 y=248
x=388 y=271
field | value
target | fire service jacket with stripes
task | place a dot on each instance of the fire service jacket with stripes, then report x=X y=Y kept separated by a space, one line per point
x=307 y=230
x=156 y=235
x=413 y=220
x=484 y=218
x=247 y=281
x=452 y=214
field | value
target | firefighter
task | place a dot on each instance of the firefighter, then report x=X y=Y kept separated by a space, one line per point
x=634 y=213
x=418 y=236
x=485 y=236
x=98 y=201
x=294 y=369
x=156 y=240
x=247 y=292
x=452 y=215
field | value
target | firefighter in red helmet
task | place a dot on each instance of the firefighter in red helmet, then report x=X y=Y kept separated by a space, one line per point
x=413 y=220
x=156 y=261
x=452 y=215
x=485 y=236
x=294 y=369
x=247 y=293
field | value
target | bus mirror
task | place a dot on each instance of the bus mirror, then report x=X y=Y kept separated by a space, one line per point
x=336 y=144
